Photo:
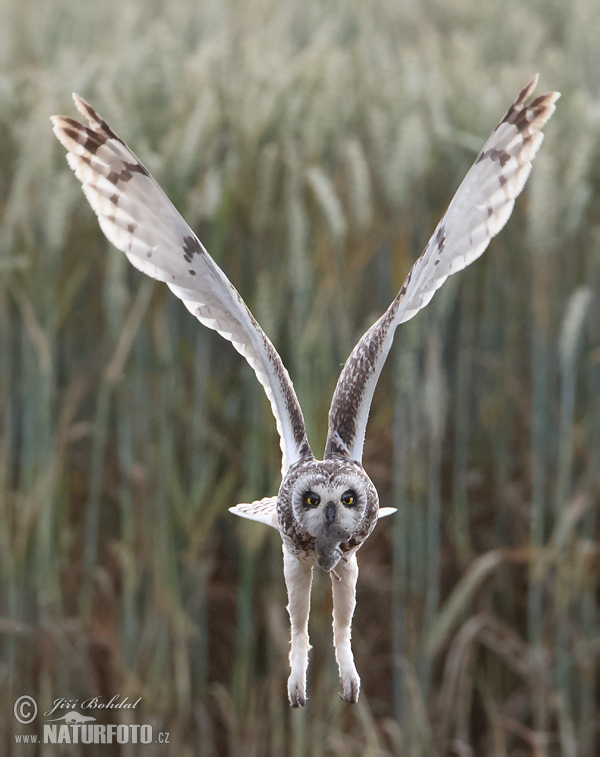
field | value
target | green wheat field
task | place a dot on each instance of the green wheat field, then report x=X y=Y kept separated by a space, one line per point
x=313 y=145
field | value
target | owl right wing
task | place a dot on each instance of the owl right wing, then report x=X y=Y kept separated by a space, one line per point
x=139 y=219
x=262 y=510
x=480 y=208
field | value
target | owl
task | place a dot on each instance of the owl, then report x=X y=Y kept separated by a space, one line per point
x=325 y=509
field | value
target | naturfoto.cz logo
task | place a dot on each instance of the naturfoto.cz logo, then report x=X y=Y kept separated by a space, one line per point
x=74 y=727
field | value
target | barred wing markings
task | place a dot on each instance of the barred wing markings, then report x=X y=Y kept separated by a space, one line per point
x=480 y=208
x=139 y=219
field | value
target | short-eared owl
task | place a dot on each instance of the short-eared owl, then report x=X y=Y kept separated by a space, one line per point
x=325 y=509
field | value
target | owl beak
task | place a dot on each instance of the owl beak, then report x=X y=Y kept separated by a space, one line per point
x=330 y=513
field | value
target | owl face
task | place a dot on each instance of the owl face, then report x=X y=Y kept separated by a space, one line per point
x=321 y=505
x=332 y=502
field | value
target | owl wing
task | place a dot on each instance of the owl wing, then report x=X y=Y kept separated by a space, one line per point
x=139 y=219
x=262 y=510
x=479 y=209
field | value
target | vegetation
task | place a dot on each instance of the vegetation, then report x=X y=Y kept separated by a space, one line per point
x=313 y=146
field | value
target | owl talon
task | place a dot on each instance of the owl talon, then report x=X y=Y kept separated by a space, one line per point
x=296 y=695
x=350 y=689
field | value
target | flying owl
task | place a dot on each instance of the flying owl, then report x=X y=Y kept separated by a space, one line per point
x=325 y=509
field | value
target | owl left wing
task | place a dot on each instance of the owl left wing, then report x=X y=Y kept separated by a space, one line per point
x=478 y=211
x=139 y=219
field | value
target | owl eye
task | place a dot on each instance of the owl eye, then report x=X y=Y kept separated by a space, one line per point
x=349 y=498
x=311 y=500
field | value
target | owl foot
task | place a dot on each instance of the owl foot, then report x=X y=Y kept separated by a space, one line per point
x=296 y=693
x=350 y=688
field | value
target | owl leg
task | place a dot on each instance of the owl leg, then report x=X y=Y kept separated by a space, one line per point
x=298 y=579
x=344 y=602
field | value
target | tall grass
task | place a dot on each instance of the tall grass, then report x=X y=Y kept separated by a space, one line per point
x=313 y=147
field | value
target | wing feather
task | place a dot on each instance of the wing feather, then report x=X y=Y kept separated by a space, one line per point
x=480 y=208
x=262 y=510
x=139 y=219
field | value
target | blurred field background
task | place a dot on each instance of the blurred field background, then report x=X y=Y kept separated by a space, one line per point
x=313 y=146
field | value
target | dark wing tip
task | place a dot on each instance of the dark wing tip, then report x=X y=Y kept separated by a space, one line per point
x=527 y=90
x=534 y=116
x=86 y=110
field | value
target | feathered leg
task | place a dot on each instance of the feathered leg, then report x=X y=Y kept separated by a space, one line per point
x=344 y=602
x=298 y=579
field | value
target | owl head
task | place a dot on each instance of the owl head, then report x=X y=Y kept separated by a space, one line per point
x=331 y=501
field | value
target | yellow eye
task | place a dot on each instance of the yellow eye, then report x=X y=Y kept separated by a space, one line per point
x=348 y=498
x=311 y=499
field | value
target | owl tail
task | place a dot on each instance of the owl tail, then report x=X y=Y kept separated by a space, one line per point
x=262 y=510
